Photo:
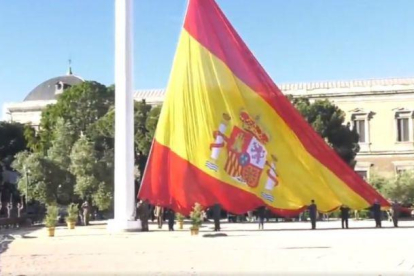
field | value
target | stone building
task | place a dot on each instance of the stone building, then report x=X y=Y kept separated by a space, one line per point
x=30 y=109
x=381 y=110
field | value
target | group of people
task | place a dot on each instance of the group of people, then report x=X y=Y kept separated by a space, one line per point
x=160 y=213
x=144 y=213
x=344 y=211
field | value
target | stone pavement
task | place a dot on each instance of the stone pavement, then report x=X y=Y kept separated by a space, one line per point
x=282 y=248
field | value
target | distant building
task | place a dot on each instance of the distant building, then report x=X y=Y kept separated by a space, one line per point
x=381 y=110
x=29 y=111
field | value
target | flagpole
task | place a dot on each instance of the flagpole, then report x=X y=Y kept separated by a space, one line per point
x=124 y=184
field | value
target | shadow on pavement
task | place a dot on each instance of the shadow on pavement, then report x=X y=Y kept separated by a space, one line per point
x=7 y=236
x=214 y=235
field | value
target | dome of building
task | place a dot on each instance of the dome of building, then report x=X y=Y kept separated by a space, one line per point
x=51 y=88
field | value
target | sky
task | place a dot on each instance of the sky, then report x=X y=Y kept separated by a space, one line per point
x=295 y=41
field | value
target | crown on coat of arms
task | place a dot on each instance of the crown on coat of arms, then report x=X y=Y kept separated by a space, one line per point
x=251 y=126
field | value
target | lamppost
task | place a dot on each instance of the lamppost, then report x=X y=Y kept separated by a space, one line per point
x=27 y=172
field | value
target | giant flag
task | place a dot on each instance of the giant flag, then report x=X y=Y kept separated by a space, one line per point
x=228 y=135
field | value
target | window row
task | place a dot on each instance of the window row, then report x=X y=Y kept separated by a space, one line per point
x=403 y=126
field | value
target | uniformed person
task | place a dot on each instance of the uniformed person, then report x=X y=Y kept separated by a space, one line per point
x=159 y=213
x=395 y=212
x=261 y=212
x=216 y=216
x=143 y=214
x=344 y=216
x=376 y=210
x=313 y=210
x=171 y=217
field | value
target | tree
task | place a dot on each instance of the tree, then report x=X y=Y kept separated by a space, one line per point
x=402 y=188
x=12 y=141
x=42 y=179
x=380 y=183
x=145 y=123
x=81 y=106
x=61 y=145
x=328 y=121
x=89 y=172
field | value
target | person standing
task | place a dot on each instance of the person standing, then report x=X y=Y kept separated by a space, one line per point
x=86 y=210
x=171 y=217
x=313 y=210
x=143 y=214
x=344 y=216
x=261 y=212
x=216 y=216
x=395 y=212
x=376 y=209
x=159 y=213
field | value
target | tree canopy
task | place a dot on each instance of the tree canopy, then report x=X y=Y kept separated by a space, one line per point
x=12 y=141
x=72 y=155
x=328 y=121
x=399 y=188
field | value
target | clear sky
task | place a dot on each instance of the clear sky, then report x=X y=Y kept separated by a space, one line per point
x=296 y=41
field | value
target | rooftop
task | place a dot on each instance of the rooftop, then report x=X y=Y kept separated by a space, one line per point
x=351 y=85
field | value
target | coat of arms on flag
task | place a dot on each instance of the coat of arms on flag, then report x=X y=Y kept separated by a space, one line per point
x=246 y=152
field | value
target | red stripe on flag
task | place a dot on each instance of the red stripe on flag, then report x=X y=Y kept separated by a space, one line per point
x=208 y=25
x=173 y=182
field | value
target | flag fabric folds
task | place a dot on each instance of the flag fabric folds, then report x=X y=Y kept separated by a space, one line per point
x=228 y=135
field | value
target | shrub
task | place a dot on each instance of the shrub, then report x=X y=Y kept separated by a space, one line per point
x=180 y=217
x=197 y=215
x=51 y=216
x=72 y=212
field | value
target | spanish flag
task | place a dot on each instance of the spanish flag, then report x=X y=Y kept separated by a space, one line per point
x=228 y=135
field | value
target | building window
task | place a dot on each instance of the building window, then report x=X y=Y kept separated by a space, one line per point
x=362 y=174
x=404 y=125
x=360 y=127
x=403 y=129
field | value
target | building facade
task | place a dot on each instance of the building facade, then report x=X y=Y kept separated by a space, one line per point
x=382 y=111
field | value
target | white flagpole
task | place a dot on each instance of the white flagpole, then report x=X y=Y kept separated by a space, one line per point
x=124 y=121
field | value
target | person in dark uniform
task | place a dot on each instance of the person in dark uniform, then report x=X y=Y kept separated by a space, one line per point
x=159 y=214
x=261 y=212
x=143 y=214
x=395 y=212
x=344 y=216
x=313 y=210
x=216 y=216
x=376 y=210
x=171 y=217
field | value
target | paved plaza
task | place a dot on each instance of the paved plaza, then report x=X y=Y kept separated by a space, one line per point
x=240 y=249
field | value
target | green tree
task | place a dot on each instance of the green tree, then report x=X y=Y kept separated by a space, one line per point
x=62 y=143
x=88 y=171
x=402 y=188
x=12 y=141
x=80 y=106
x=328 y=121
x=380 y=183
x=42 y=179
x=32 y=138
x=145 y=123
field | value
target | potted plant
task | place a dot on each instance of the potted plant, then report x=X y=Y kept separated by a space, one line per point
x=51 y=219
x=180 y=219
x=196 y=218
x=72 y=215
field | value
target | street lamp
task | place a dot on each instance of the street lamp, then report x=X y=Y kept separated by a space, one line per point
x=27 y=172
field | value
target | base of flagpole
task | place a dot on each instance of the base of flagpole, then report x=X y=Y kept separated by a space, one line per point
x=115 y=225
